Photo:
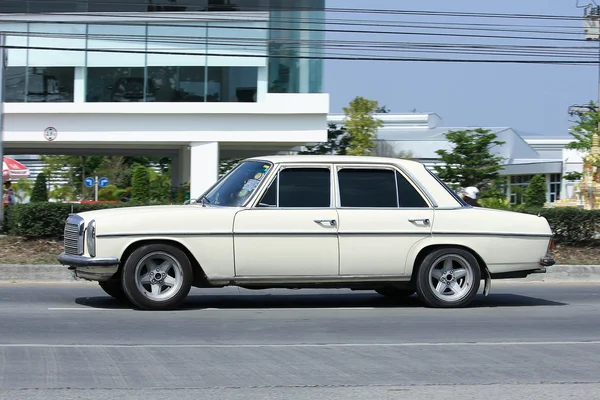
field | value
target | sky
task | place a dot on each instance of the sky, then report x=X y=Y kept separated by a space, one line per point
x=533 y=99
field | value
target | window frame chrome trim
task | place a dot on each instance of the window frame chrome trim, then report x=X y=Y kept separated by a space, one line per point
x=424 y=193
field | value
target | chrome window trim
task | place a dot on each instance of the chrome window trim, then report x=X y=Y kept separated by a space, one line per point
x=284 y=166
x=252 y=196
x=424 y=193
x=456 y=197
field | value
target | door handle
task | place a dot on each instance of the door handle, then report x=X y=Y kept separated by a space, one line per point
x=325 y=221
x=423 y=220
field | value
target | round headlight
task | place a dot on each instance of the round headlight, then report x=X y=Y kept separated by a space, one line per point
x=91 y=238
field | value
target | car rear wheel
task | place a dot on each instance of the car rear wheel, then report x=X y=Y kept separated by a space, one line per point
x=448 y=278
x=157 y=277
x=114 y=288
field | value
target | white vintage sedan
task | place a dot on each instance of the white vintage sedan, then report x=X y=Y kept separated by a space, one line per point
x=363 y=223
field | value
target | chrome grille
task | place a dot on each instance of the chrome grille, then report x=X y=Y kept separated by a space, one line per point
x=74 y=236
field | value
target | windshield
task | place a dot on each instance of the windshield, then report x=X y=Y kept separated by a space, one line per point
x=237 y=186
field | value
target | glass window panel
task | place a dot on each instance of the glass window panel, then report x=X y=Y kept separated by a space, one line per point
x=269 y=199
x=53 y=84
x=128 y=40
x=117 y=85
x=232 y=84
x=60 y=37
x=18 y=38
x=175 y=84
x=243 y=39
x=288 y=71
x=305 y=187
x=370 y=188
x=171 y=40
x=407 y=194
x=15 y=78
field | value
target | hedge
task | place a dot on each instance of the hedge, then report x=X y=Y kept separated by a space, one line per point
x=47 y=220
x=572 y=226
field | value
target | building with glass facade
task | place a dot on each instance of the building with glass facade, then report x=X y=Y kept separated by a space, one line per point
x=191 y=78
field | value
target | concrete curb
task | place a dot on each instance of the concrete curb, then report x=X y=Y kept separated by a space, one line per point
x=17 y=273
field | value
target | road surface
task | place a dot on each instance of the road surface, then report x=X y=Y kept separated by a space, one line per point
x=523 y=341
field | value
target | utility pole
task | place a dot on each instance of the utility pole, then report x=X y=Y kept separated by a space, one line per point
x=592 y=32
x=2 y=69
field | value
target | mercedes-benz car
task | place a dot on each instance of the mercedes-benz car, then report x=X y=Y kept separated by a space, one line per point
x=363 y=223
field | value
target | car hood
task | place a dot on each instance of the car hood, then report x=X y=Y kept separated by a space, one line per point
x=153 y=220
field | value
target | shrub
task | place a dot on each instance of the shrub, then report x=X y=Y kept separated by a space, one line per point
x=572 y=226
x=140 y=182
x=535 y=194
x=47 y=220
x=40 y=189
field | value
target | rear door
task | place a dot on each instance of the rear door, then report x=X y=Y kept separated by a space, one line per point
x=382 y=215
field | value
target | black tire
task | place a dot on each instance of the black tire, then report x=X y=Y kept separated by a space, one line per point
x=395 y=293
x=448 y=295
x=140 y=291
x=114 y=288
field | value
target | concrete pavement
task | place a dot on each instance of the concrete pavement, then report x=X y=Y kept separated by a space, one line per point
x=71 y=341
x=58 y=273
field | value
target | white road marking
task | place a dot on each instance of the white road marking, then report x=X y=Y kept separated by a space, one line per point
x=298 y=345
x=221 y=309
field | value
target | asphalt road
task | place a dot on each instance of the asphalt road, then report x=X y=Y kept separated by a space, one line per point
x=523 y=341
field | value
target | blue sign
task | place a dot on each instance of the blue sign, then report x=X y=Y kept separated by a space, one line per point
x=89 y=182
x=103 y=182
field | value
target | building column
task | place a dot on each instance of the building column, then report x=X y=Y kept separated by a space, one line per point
x=304 y=63
x=185 y=164
x=204 y=167
x=262 y=86
x=79 y=88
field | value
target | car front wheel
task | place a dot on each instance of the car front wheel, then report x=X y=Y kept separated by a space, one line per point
x=157 y=277
x=448 y=278
x=114 y=288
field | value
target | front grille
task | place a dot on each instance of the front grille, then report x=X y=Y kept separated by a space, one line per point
x=74 y=236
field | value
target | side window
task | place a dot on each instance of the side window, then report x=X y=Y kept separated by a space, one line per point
x=305 y=187
x=269 y=199
x=408 y=196
x=372 y=188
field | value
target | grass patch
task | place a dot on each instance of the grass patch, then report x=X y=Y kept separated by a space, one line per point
x=18 y=250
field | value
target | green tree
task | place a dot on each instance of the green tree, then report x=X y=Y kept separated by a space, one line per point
x=22 y=189
x=40 y=189
x=361 y=126
x=535 y=194
x=140 y=185
x=585 y=127
x=386 y=149
x=160 y=186
x=470 y=162
x=337 y=142
x=227 y=165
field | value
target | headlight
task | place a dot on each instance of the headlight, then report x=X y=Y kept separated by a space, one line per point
x=91 y=238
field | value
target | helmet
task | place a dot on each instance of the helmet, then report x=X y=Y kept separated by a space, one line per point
x=471 y=192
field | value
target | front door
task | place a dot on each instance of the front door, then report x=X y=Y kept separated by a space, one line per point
x=382 y=215
x=292 y=231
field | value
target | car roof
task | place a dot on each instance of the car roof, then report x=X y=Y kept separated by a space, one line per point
x=335 y=159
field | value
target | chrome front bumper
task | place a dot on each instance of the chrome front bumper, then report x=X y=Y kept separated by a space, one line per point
x=94 y=269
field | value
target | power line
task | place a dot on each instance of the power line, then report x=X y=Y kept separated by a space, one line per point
x=324 y=57
x=273 y=7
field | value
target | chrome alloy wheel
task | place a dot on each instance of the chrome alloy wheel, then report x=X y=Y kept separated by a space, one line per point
x=450 y=277
x=158 y=276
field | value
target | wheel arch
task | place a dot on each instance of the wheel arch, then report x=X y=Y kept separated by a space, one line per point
x=199 y=274
x=428 y=249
